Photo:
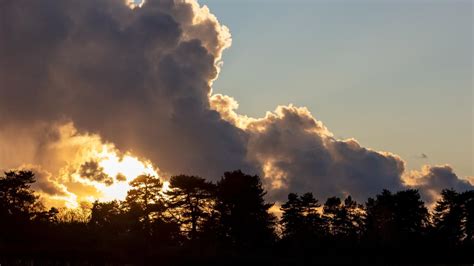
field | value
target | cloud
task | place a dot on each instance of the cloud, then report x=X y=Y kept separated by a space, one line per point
x=54 y=152
x=78 y=75
x=50 y=189
x=139 y=78
x=93 y=171
x=432 y=179
x=45 y=182
x=298 y=153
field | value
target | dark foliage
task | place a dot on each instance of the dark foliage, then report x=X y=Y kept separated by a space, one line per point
x=454 y=218
x=199 y=222
x=396 y=219
x=302 y=224
x=243 y=216
x=190 y=202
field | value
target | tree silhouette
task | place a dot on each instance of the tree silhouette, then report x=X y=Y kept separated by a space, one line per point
x=411 y=215
x=107 y=223
x=392 y=218
x=344 y=220
x=104 y=214
x=293 y=216
x=145 y=201
x=50 y=216
x=17 y=199
x=20 y=209
x=468 y=199
x=77 y=215
x=335 y=216
x=148 y=229
x=190 y=200
x=454 y=217
x=243 y=213
x=300 y=217
x=303 y=226
x=355 y=215
x=200 y=222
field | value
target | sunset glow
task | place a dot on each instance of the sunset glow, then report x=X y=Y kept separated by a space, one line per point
x=122 y=170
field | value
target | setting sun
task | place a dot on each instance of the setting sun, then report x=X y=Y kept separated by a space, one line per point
x=120 y=169
x=128 y=167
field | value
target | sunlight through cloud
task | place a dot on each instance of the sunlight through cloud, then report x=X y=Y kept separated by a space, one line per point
x=122 y=169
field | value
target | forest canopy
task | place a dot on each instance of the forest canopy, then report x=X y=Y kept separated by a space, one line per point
x=202 y=221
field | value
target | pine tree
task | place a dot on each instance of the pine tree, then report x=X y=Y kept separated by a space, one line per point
x=190 y=201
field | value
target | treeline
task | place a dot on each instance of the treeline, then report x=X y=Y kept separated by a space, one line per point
x=229 y=222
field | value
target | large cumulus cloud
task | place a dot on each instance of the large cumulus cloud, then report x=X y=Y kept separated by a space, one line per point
x=74 y=72
x=296 y=152
x=138 y=77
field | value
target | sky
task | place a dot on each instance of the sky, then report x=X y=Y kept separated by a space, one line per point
x=395 y=75
x=336 y=98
